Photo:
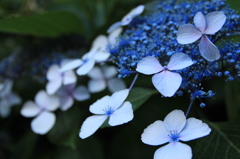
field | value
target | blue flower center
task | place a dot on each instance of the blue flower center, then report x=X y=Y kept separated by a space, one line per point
x=174 y=135
x=108 y=111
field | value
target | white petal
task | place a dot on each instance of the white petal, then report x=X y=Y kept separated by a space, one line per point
x=100 y=42
x=122 y=115
x=155 y=134
x=116 y=84
x=96 y=73
x=95 y=86
x=109 y=71
x=66 y=102
x=118 y=98
x=101 y=56
x=215 y=21
x=86 y=67
x=149 y=65
x=100 y=105
x=133 y=13
x=45 y=101
x=200 y=21
x=5 y=108
x=174 y=150
x=30 y=109
x=53 y=72
x=114 y=26
x=194 y=129
x=91 y=124
x=71 y=65
x=175 y=121
x=81 y=93
x=69 y=77
x=112 y=38
x=53 y=86
x=208 y=50
x=43 y=123
x=167 y=83
x=179 y=61
x=187 y=34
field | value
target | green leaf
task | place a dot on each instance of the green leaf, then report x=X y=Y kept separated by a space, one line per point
x=222 y=143
x=49 y=24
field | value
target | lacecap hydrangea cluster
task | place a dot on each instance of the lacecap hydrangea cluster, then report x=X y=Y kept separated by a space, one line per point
x=155 y=34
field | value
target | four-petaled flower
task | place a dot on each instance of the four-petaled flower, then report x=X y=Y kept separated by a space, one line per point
x=174 y=128
x=114 y=108
x=166 y=82
x=209 y=24
x=42 y=108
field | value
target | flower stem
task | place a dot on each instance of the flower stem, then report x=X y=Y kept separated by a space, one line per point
x=133 y=82
x=190 y=106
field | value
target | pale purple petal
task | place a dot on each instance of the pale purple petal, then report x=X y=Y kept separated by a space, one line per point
x=96 y=73
x=118 y=98
x=208 y=50
x=100 y=105
x=109 y=71
x=174 y=150
x=30 y=109
x=133 y=13
x=66 y=102
x=43 y=122
x=81 y=93
x=91 y=124
x=175 y=121
x=86 y=67
x=200 y=21
x=71 y=65
x=167 y=83
x=116 y=84
x=179 y=61
x=187 y=34
x=97 y=85
x=122 y=115
x=149 y=65
x=215 y=21
x=194 y=129
x=45 y=101
x=69 y=77
x=53 y=86
x=112 y=37
x=155 y=134
x=53 y=72
x=113 y=27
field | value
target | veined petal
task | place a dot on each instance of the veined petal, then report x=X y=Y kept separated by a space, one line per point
x=215 y=21
x=113 y=27
x=91 y=124
x=112 y=37
x=86 y=67
x=100 y=105
x=175 y=121
x=133 y=13
x=53 y=86
x=71 y=65
x=30 y=109
x=43 y=122
x=116 y=84
x=53 y=72
x=117 y=98
x=81 y=93
x=149 y=65
x=194 y=129
x=155 y=134
x=97 y=85
x=109 y=71
x=167 y=83
x=200 y=21
x=96 y=73
x=66 y=102
x=45 y=101
x=208 y=50
x=122 y=115
x=179 y=61
x=174 y=150
x=69 y=77
x=187 y=34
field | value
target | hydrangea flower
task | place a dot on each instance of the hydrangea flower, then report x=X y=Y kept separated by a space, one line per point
x=127 y=18
x=174 y=128
x=7 y=98
x=68 y=93
x=210 y=24
x=57 y=78
x=42 y=111
x=103 y=77
x=165 y=81
x=112 y=107
x=97 y=53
